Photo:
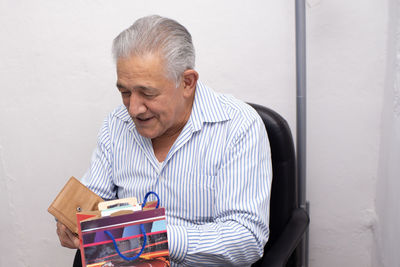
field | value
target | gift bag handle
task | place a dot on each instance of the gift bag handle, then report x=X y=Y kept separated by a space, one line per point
x=119 y=252
x=141 y=228
x=147 y=195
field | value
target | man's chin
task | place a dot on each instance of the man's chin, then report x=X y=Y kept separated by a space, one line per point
x=147 y=134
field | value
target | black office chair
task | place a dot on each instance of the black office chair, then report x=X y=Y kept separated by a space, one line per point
x=288 y=223
x=77 y=259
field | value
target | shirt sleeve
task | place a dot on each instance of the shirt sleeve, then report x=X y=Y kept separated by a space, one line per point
x=99 y=178
x=240 y=230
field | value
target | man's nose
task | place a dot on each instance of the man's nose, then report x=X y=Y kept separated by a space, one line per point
x=136 y=105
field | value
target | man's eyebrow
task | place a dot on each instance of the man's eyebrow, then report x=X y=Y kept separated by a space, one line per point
x=120 y=86
x=138 y=87
x=145 y=88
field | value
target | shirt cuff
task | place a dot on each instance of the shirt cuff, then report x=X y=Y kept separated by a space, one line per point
x=177 y=242
x=193 y=237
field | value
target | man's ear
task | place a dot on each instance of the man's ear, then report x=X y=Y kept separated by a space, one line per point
x=190 y=78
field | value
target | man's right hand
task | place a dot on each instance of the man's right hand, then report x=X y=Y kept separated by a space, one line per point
x=67 y=238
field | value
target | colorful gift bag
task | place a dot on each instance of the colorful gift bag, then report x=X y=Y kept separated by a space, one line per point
x=136 y=238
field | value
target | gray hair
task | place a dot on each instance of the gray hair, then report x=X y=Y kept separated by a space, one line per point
x=154 y=34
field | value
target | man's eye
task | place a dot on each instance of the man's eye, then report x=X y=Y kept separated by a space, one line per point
x=148 y=95
x=125 y=94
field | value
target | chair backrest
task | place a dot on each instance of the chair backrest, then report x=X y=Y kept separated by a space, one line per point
x=284 y=187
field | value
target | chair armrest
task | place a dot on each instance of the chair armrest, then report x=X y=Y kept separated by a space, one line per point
x=282 y=249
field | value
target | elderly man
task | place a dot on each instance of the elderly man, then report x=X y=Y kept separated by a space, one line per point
x=206 y=154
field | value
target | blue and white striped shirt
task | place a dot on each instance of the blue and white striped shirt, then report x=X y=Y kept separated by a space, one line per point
x=214 y=183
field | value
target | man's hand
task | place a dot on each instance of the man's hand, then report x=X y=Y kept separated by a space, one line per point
x=67 y=238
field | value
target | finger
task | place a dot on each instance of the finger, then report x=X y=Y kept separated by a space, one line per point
x=61 y=232
x=77 y=243
x=65 y=238
x=74 y=238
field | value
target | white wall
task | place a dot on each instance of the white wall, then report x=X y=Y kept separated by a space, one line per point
x=57 y=84
x=387 y=241
x=346 y=49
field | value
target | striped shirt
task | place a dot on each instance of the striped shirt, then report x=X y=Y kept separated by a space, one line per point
x=214 y=183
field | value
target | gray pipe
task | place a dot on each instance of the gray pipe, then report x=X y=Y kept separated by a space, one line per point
x=301 y=86
x=301 y=99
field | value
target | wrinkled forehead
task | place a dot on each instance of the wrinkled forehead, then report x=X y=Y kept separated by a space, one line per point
x=148 y=62
x=145 y=70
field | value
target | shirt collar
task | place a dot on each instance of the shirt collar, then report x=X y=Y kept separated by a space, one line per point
x=207 y=107
x=122 y=113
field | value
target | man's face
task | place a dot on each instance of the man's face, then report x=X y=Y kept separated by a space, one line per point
x=157 y=107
